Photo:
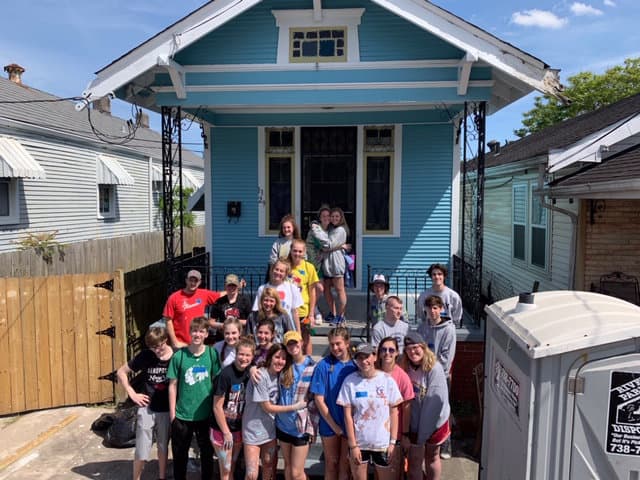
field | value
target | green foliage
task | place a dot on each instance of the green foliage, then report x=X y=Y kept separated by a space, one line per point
x=587 y=91
x=180 y=204
x=43 y=244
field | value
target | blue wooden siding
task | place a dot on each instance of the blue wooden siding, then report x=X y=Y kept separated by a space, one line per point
x=234 y=174
x=425 y=215
x=253 y=37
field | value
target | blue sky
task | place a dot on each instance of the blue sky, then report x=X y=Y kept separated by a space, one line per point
x=61 y=43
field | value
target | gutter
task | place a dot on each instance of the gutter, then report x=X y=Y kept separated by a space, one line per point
x=574 y=225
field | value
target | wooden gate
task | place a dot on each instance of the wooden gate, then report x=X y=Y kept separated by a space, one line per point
x=55 y=341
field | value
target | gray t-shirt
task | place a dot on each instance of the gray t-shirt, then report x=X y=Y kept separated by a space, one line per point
x=258 y=426
x=383 y=329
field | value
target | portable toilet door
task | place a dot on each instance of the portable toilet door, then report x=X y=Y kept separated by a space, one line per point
x=606 y=443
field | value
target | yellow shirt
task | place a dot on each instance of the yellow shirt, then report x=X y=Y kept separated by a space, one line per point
x=304 y=276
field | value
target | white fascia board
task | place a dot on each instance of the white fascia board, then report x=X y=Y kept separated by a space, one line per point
x=477 y=42
x=165 y=45
x=177 y=75
x=591 y=147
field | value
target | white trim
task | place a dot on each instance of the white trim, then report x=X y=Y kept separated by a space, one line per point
x=110 y=172
x=390 y=107
x=464 y=72
x=346 y=17
x=208 y=192
x=297 y=173
x=477 y=42
x=150 y=203
x=16 y=161
x=262 y=183
x=177 y=75
x=295 y=67
x=323 y=86
x=111 y=189
x=629 y=189
x=14 y=203
x=592 y=147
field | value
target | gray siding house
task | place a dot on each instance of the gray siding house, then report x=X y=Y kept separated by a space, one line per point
x=85 y=175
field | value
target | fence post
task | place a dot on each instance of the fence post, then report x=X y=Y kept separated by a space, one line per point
x=118 y=319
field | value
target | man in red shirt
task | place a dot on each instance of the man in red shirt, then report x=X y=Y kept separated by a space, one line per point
x=183 y=306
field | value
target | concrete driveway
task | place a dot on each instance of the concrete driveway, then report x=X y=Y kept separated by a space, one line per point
x=59 y=444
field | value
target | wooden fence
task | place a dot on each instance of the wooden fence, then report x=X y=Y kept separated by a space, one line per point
x=51 y=354
x=125 y=253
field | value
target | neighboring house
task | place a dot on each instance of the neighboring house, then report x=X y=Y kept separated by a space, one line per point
x=353 y=103
x=56 y=175
x=587 y=223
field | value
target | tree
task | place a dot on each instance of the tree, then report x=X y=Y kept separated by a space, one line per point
x=187 y=216
x=587 y=91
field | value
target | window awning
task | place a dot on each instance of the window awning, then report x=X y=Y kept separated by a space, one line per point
x=188 y=179
x=196 y=201
x=110 y=172
x=16 y=162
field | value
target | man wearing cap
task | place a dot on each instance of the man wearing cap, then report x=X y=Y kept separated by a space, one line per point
x=185 y=305
x=392 y=325
x=234 y=304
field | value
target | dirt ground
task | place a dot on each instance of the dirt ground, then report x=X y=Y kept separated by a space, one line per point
x=58 y=444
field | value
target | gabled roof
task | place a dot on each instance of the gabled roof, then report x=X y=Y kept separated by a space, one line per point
x=564 y=133
x=616 y=177
x=517 y=69
x=61 y=119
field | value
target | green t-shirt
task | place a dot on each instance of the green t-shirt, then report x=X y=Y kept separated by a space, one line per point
x=195 y=382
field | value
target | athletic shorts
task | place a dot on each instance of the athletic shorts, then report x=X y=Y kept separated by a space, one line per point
x=149 y=422
x=295 y=441
x=437 y=438
x=376 y=457
x=217 y=438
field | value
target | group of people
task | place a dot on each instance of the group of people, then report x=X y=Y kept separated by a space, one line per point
x=248 y=385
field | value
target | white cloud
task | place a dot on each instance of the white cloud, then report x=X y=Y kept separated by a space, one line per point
x=609 y=3
x=538 y=18
x=582 y=9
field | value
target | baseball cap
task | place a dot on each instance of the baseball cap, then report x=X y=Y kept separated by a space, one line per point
x=194 y=273
x=292 y=336
x=365 y=349
x=232 y=279
x=413 y=338
x=379 y=278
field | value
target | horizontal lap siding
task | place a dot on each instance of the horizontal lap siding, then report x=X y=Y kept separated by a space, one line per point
x=234 y=176
x=425 y=213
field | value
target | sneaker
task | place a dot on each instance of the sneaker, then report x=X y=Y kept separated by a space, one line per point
x=330 y=319
x=341 y=321
x=318 y=319
x=445 y=449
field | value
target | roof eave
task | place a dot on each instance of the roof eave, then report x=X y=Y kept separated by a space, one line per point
x=610 y=189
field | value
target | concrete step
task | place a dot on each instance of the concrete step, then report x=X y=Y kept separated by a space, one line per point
x=320 y=341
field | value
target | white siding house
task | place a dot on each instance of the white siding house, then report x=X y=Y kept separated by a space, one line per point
x=57 y=176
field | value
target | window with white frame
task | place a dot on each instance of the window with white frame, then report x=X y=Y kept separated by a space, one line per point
x=280 y=155
x=379 y=168
x=106 y=201
x=8 y=201
x=530 y=226
x=315 y=36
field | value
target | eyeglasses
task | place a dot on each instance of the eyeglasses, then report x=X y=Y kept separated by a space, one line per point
x=388 y=350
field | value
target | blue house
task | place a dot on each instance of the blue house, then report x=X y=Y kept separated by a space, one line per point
x=354 y=103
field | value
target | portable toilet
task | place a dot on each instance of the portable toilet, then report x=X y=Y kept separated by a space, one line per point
x=562 y=388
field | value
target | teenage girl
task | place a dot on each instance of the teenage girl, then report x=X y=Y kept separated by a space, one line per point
x=288 y=231
x=289 y=294
x=270 y=308
x=265 y=334
x=226 y=348
x=325 y=385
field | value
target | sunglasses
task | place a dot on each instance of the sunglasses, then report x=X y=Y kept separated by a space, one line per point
x=387 y=350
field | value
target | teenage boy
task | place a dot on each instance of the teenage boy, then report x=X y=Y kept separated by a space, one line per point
x=153 y=411
x=392 y=324
x=228 y=406
x=185 y=305
x=191 y=373
x=440 y=335
x=233 y=304
x=450 y=299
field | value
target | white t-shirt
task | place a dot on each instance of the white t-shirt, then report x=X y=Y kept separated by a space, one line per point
x=370 y=400
x=289 y=293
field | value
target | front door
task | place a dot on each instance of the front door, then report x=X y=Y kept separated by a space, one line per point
x=329 y=173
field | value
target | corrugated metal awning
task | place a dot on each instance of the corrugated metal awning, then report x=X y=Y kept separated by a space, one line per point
x=110 y=172
x=16 y=162
x=188 y=179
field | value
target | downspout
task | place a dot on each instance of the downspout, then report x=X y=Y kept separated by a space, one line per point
x=574 y=225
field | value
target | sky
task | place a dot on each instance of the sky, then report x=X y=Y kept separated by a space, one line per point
x=61 y=43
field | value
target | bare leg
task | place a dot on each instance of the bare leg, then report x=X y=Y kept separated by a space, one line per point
x=338 y=284
x=432 y=462
x=252 y=461
x=328 y=296
x=336 y=458
x=138 y=466
x=358 y=470
x=307 y=345
x=416 y=457
x=269 y=457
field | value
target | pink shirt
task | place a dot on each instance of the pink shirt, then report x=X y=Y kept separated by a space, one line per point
x=406 y=390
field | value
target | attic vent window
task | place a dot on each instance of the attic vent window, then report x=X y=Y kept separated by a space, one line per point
x=318 y=45
x=329 y=37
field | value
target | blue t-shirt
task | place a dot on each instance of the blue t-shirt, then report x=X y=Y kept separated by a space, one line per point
x=327 y=380
x=286 y=422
